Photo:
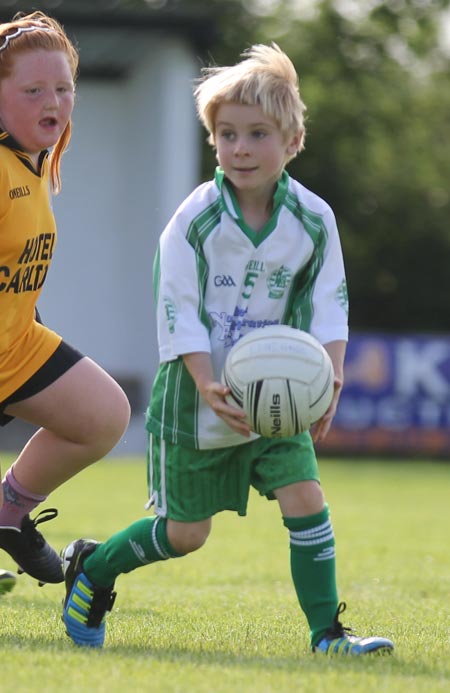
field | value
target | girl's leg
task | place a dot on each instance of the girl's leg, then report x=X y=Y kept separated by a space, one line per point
x=82 y=416
x=7 y=579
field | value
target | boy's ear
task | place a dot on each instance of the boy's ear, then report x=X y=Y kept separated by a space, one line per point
x=294 y=143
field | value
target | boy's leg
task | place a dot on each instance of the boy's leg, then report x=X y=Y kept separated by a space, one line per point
x=313 y=568
x=187 y=487
x=287 y=470
x=290 y=467
x=91 y=569
x=314 y=575
x=142 y=543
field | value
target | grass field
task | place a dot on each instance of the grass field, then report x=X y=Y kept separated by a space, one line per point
x=226 y=620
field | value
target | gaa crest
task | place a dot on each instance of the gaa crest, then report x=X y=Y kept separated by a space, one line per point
x=278 y=281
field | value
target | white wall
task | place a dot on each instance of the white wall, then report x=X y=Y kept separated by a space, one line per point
x=133 y=157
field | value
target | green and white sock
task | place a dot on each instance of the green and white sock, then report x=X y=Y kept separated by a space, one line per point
x=143 y=542
x=313 y=568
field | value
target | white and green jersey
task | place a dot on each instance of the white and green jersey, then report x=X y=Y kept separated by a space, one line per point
x=215 y=280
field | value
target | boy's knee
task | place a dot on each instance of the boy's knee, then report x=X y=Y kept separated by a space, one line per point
x=186 y=537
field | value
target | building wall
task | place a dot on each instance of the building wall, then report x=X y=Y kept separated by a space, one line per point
x=133 y=157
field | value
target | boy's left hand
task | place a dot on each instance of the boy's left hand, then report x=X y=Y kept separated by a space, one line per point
x=320 y=429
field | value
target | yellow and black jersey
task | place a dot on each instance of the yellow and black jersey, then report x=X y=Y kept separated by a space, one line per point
x=27 y=243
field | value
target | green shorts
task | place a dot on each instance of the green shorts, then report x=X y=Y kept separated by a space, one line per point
x=189 y=485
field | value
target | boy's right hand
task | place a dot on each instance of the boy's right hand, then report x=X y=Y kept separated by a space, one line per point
x=215 y=395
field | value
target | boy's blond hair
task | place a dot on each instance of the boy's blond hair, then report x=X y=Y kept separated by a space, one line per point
x=265 y=77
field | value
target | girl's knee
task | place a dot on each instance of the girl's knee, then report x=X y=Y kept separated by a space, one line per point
x=102 y=424
x=122 y=414
x=112 y=420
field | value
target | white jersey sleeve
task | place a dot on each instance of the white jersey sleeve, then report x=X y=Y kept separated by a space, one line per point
x=323 y=297
x=329 y=297
x=178 y=295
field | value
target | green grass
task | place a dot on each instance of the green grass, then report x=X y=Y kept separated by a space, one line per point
x=226 y=620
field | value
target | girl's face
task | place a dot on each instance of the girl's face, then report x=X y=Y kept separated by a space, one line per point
x=36 y=100
x=251 y=148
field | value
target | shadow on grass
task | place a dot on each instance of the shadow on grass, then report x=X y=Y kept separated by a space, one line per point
x=306 y=661
x=33 y=623
x=55 y=641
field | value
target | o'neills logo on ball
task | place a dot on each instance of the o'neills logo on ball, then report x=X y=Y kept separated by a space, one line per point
x=275 y=415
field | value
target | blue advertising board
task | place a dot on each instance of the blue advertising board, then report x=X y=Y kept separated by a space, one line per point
x=396 y=396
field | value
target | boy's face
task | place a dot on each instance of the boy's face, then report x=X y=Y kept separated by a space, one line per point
x=251 y=148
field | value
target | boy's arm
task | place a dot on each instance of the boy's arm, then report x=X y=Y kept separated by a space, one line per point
x=336 y=350
x=214 y=393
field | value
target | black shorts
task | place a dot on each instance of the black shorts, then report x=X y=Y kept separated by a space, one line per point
x=59 y=362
